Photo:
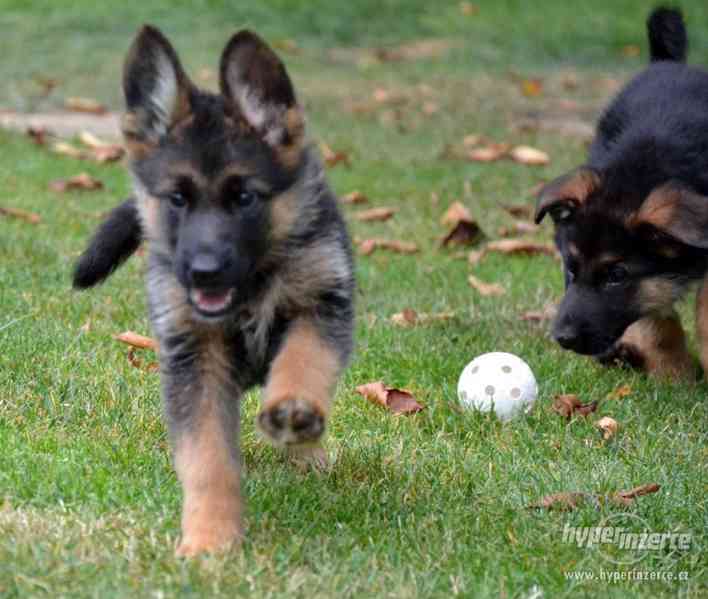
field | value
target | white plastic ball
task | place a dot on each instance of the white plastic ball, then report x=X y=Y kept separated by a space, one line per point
x=500 y=382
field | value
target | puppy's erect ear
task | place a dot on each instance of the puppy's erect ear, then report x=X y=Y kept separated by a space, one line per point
x=564 y=195
x=155 y=86
x=676 y=211
x=255 y=82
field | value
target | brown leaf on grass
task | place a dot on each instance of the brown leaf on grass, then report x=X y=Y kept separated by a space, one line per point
x=107 y=153
x=474 y=139
x=463 y=233
x=489 y=153
x=417 y=50
x=88 y=105
x=620 y=392
x=80 y=182
x=570 y=405
x=66 y=149
x=529 y=155
x=468 y=9
x=486 y=289
x=608 y=426
x=374 y=214
x=532 y=88
x=627 y=498
x=410 y=318
x=519 y=227
x=38 y=135
x=520 y=246
x=135 y=340
x=397 y=401
x=29 y=217
x=524 y=211
x=454 y=214
x=631 y=51
x=332 y=158
x=138 y=363
x=368 y=246
x=547 y=313
x=354 y=197
x=564 y=502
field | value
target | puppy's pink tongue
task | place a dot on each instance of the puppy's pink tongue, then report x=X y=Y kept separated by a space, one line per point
x=212 y=301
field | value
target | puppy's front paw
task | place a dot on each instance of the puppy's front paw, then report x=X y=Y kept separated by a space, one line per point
x=624 y=355
x=291 y=421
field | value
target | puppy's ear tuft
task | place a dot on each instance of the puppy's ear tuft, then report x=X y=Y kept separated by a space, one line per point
x=676 y=212
x=255 y=83
x=564 y=195
x=155 y=86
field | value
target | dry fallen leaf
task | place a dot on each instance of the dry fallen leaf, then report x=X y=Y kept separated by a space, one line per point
x=473 y=139
x=569 y=405
x=529 y=155
x=463 y=233
x=136 y=340
x=85 y=105
x=138 y=363
x=488 y=153
x=620 y=392
x=354 y=197
x=547 y=313
x=608 y=426
x=375 y=214
x=454 y=214
x=107 y=153
x=520 y=246
x=520 y=227
x=486 y=289
x=82 y=182
x=332 y=158
x=368 y=246
x=66 y=149
x=468 y=9
x=409 y=318
x=397 y=401
x=38 y=135
x=631 y=51
x=626 y=498
x=29 y=217
x=416 y=50
x=531 y=88
x=519 y=210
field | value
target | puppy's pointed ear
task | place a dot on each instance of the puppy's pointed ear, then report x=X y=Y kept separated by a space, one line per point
x=257 y=87
x=676 y=212
x=156 y=88
x=564 y=195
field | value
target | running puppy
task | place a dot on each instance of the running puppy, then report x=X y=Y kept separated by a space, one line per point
x=250 y=275
x=632 y=222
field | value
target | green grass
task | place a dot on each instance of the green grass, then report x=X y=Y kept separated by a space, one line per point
x=430 y=505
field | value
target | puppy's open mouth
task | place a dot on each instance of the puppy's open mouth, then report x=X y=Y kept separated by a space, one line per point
x=212 y=302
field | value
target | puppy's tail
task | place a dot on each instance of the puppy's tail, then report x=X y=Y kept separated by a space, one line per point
x=116 y=239
x=667 y=35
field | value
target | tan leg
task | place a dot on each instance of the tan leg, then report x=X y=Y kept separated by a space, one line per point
x=658 y=343
x=702 y=323
x=297 y=396
x=208 y=469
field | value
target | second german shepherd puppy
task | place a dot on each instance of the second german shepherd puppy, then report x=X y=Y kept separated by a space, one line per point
x=632 y=223
x=250 y=275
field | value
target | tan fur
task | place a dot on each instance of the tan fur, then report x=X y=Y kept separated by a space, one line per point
x=657 y=294
x=662 y=344
x=658 y=210
x=702 y=322
x=574 y=188
x=290 y=154
x=207 y=464
x=283 y=212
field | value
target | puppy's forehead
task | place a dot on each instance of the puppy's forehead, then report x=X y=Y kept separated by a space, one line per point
x=593 y=235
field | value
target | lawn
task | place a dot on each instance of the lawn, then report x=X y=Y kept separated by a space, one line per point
x=430 y=505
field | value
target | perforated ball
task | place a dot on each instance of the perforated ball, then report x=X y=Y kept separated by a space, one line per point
x=500 y=382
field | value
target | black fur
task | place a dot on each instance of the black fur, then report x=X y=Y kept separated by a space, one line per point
x=667 y=35
x=113 y=243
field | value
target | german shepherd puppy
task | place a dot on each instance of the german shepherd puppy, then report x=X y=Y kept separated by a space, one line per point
x=250 y=274
x=632 y=222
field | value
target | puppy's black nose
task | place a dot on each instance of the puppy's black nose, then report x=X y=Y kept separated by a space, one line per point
x=205 y=269
x=567 y=337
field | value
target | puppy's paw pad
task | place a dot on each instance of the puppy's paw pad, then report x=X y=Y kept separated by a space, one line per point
x=198 y=544
x=292 y=421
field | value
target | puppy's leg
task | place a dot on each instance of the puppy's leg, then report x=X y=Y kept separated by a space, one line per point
x=702 y=323
x=298 y=392
x=202 y=408
x=655 y=344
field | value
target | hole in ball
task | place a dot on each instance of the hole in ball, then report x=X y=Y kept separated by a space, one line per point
x=489 y=390
x=506 y=369
x=515 y=392
x=474 y=370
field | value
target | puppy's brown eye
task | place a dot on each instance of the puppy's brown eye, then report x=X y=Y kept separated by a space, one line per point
x=616 y=274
